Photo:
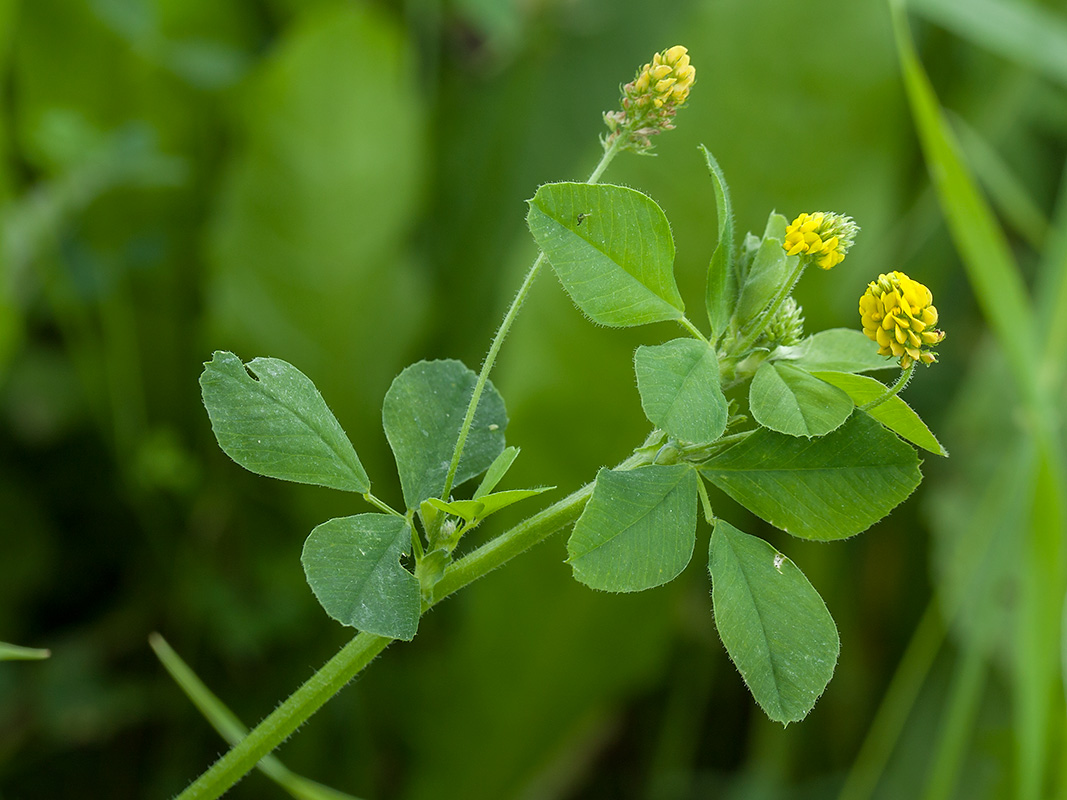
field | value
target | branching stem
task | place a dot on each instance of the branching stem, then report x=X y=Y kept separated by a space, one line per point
x=362 y=649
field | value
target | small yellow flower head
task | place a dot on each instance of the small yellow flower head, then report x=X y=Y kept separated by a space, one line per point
x=823 y=236
x=651 y=99
x=898 y=313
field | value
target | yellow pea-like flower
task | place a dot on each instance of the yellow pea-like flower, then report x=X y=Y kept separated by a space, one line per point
x=651 y=99
x=899 y=314
x=823 y=236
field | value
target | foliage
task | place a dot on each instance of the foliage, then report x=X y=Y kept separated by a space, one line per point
x=804 y=469
x=178 y=178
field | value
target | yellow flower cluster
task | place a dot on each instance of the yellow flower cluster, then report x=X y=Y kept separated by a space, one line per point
x=824 y=236
x=650 y=100
x=898 y=313
x=666 y=80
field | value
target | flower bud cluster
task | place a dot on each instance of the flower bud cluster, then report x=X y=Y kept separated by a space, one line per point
x=786 y=328
x=898 y=313
x=823 y=236
x=651 y=99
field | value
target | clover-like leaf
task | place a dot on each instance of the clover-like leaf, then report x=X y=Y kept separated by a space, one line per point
x=894 y=413
x=638 y=529
x=773 y=623
x=611 y=248
x=831 y=487
x=269 y=418
x=789 y=400
x=837 y=349
x=422 y=414
x=353 y=566
x=679 y=386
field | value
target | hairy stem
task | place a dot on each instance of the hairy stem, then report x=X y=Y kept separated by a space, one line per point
x=742 y=348
x=362 y=649
x=502 y=332
x=287 y=717
x=693 y=329
x=892 y=391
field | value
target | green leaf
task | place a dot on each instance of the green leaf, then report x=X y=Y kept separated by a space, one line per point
x=496 y=472
x=721 y=292
x=894 y=413
x=773 y=623
x=789 y=400
x=638 y=529
x=837 y=349
x=469 y=510
x=679 y=386
x=277 y=424
x=353 y=566
x=14 y=652
x=612 y=250
x=769 y=271
x=827 y=488
x=422 y=414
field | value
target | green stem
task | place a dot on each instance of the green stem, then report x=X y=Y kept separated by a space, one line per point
x=287 y=717
x=892 y=391
x=742 y=347
x=359 y=652
x=705 y=501
x=693 y=329
x=223 y=720
x=502 y=332
x=702 y=452
x=380 y=505
x=522 y=537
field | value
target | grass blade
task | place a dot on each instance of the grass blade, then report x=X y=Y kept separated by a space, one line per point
x=1007 y=192
x=230 y=728
x=1024 y=33
x=14 y=652
x=980 y=240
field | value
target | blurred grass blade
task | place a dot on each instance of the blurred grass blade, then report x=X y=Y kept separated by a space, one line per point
x=893 y=712
x=1063 y=647
x=961 y=712
x=1008 y=193
x=986 y=527
x=1052 y=296
x=13 y=652
x=1039 y=706
x=981 y=242
x=999 y=287
x=1022 y=32
x=229 y=726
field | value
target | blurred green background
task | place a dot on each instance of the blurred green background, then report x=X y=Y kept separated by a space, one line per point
x=342 y=185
